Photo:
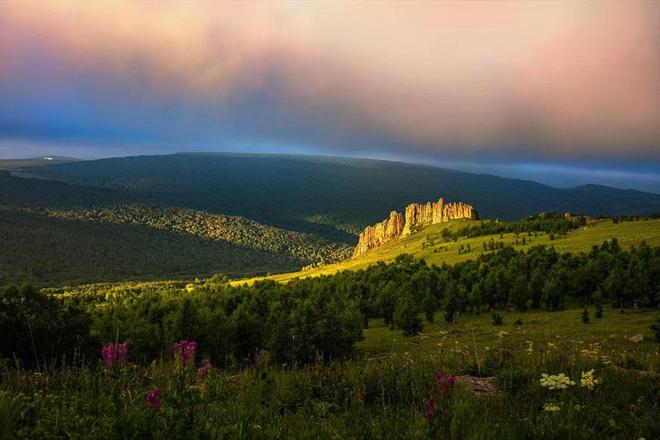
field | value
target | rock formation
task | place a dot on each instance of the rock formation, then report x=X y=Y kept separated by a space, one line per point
x=416 y=216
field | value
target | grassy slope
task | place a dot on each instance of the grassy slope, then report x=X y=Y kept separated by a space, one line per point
x=581 y=240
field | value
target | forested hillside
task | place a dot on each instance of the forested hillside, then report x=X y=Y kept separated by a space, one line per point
x=61 y=233
x=336 y=197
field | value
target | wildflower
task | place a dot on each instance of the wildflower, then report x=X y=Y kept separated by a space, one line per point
x=556 y=382
x=205 y=368
x=122 y=353
x=588 y=380
x=551 y=407
x=430 y=406
x=446 y=383
x=185 y=351
x=153 y=399
x=115 y=355
x=445 y=378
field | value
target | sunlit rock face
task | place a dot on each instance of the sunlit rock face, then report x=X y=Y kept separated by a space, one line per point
x=416 y=216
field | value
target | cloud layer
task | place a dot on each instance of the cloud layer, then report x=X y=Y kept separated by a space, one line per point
x=537 y=80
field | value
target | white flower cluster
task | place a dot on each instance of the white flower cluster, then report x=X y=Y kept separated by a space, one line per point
x=588 y=380
x=556 y=381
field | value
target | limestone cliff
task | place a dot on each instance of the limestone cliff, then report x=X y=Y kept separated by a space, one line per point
x=416 y=216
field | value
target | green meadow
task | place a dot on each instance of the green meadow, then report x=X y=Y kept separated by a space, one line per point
x=468 y=380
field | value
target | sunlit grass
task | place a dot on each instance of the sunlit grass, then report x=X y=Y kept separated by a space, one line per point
x=418 y=244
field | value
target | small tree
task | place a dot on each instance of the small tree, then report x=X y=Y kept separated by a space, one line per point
x=429 y=304
x=497 y=318
x=405 y=316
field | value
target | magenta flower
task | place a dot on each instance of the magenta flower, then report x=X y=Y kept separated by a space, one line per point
x=430 y=406
x=115 y=355
x=436 y=404
x=122 y=353
x=446 y=383
x=205 y=368
x=448 y=379
x=185 y=350
x=153 y=399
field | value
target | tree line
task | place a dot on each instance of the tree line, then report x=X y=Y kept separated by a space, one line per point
x=321 y=318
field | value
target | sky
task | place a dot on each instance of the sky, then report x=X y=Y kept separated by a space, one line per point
x=562 y=92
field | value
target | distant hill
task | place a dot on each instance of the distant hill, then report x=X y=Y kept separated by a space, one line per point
x=335 y=197
x=17 y=164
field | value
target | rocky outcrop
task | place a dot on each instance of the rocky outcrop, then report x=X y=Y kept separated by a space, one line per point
x=387 y=230
x=416 y=216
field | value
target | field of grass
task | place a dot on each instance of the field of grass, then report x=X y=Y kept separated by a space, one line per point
x=531 y=331
x=384 y=391
x=429 y=245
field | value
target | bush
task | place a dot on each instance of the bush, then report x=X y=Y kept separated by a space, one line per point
x=498 y=319
x=599 y=312
x=36 y=327
x=585 y=316
x=405 y=316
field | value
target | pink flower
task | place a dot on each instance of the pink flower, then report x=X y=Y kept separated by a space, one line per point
x=115 y=355
x=185 y=350
x=153 y=399
x=448 y=379
x=430 y=406
x=446 y=383
x=205 y=368
x=122 y=353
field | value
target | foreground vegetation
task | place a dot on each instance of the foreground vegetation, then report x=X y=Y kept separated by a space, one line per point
x=490 y=348
x=394 y=391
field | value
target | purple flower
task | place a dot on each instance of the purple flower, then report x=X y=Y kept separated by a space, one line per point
x=185 y=350
x=153 y=399
x=430 y=407
x=205 y=368
x=107 y=355
x=122 y=353
x=115 y=355
x=448 y=379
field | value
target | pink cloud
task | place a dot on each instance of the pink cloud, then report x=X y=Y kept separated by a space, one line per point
x=562 y=78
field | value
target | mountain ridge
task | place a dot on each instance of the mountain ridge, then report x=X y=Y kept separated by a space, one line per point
x=335 y=196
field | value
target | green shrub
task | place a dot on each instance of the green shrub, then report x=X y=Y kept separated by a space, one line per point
x=406 y=316
x=36 y=327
